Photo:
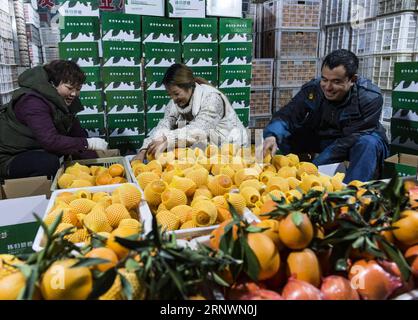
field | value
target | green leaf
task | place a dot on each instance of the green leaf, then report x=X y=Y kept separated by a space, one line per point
x=53 y=227
x=341 y=265
x=254 y=229
x=116 y=60
x=297 y=218
x=219 y=280
x=126 y=287
x=170 y=8
x=88 y=262
x=103 y=284
x=251 y=264
x=358 y=243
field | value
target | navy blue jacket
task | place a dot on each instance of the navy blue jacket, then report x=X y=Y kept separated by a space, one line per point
x=343 y=123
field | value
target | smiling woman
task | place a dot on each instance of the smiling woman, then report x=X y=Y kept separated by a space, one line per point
x=39 y=125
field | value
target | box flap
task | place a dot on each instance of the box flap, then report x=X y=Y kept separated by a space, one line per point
x=26 y=187
x=21 y=210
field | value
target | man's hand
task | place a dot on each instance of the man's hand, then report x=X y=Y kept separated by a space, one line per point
x=140 y=156
x=269 y=146
x=157 y=146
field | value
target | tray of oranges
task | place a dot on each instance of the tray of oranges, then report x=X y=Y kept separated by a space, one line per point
x=91 y=172
x=111 y=210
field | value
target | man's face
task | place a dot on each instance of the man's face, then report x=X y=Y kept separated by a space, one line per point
x=335 y=84
x=68 y=91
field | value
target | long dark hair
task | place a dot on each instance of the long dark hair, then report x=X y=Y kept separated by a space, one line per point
x=182 y=76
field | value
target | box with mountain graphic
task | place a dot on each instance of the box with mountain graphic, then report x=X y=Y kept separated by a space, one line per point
x=125 y=120
x=152 y=120
x=92 y=74
x=405 y=71
x=85 y=54
x=208 y=73
x=91 y=86
x=404 y=129
x=200 y=54
x=154 y=77
x=235 y=76
x=145 y=7
x=92 y=101
x=235 y=53
x=199 y=30
x=117 y=75
x=157 y=100
x=96 y=133
x=162 y=54
x=162 y=30
x=121 y=27
x=79 y=29
x=238 y=97
x=243 y=115
x=125 y=101
x=235 y=30
x=86 y=8
x=121 y=53
x=126 y=138
x=405 y=95
x=186 y=8
x=92 y=121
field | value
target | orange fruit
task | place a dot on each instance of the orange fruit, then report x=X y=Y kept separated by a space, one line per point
x=103 y=179
x=304 y=265
x=267 y=207
x=103 y=253
x=217 y=234
x=407 y=228
x=117 y=180
x=272 y=232
x=267 y=255
x=116 y=170
x=293 y=236
x=411 y=256
x=111 y=243
x=11 y=286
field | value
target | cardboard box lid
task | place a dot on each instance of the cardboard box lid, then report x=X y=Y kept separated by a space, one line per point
x=21 y=210
x=403 y=158
x=26 y=187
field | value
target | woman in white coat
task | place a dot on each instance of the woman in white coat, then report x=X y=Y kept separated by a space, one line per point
x=196 y=114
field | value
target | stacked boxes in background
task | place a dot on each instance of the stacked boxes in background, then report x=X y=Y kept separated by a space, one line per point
x=200 y=47
x=122 y=52
x=161 y=45
x=22 y=40
x=235 y=58
x=404 y=124
x=33 y=34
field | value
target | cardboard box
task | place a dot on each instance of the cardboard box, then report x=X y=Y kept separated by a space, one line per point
x=154 y=77
x=121 y=27
x=208 y=73
x=125 y=120
x=243 y=115
x=235 y=53
x=26 y=187
x=92 y=74
x=121 y=74
x=85 y=54
x=405 y=95
x=186 y=8
x=126 y=139
x=163 y=30
x=221 y=8
x=405 y=71
x=96 y=133
x=91 y=86
x=85 y=8
x=79 y=29
x=157 y=100
x=235 y=30
x=235 y=72
x=121 y=53
x=162 y=54
x=125 y=101
x=152 y=120
x=200 y=54
x=238 y=97
x=145 y=7
x=199 y=30
x=395 y=149
x=123 y=86
x=401 y=164
x=92 y=101
x=92 y=121
x=18 y=226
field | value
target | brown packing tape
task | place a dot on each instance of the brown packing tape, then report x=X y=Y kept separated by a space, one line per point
x=26 y=187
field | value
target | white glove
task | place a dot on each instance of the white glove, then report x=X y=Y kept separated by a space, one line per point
x=96 y=144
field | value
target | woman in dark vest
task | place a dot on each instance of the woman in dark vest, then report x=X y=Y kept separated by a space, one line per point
x=38 y=125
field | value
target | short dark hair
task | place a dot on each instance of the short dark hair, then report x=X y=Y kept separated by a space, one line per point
x=64 y=71
x=342 y=57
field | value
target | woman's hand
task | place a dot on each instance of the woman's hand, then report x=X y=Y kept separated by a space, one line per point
x=140 y=156
x=157 y=146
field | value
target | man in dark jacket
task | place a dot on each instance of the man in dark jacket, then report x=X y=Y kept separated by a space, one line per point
x=336 y=116
x=39 y=125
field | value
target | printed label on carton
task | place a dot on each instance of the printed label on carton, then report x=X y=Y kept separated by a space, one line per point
x=154 y=77
x=405 y=71
x=405 y=95
x=157 y=101
x=208 y=73
x=85 y=54
x=93 y=121
x=125 y=54
x=96 y=133
x=235 y=76
x=235 y=30
x=162 y=54
x=121 y=27
x=87 y=8
x=163 y=30
x=92 y=102
x=121 y=74
x=125 y=101
x=79 y=29
x=145 y=7
x=152 y=120
x=125 y=120
x=199 y=30
x=186 y=8
x=92 y=74
x=237 y=94
x=243 y=115
x=200 y=54
x=235 y=53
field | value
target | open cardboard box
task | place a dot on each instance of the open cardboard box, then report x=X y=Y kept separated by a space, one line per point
x=18 y=226
x=26 y=187
x=403 y=164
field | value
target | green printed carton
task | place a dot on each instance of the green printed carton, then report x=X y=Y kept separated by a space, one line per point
x=235 y=76
x=238 y=97
x=162 y=54
x=118 y=53
x=145 y=7
x=152 y=120
x=208 y=73
x=126 y=138
x=186 y=8
x=92 y=101
x=92 y=121
x=235 y=53
x=117 y=120
x=235 y=30
x=86 y=8
x=405 y=86
x=121 y=27
x=115 y=77
x=162 y=30
x=125 y=101
x=79 y=29
x=199 y=30
x=200 y=54
x=157 y=101
x=154 y=77
x=92 y=74
x=85 y=54
x=243 y=115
